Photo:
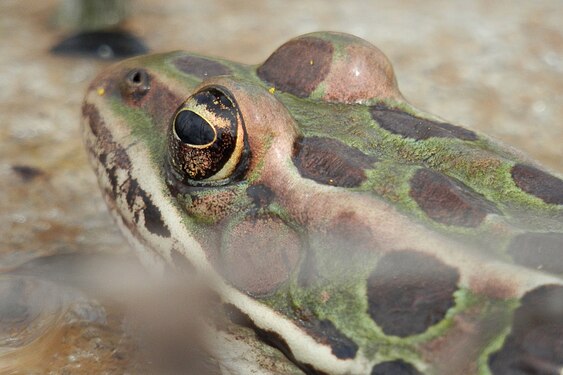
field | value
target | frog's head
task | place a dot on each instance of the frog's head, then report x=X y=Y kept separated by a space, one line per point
x=203 y=156
x=325 y=208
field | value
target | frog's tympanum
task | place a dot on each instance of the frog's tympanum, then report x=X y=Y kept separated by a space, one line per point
x=342 y=230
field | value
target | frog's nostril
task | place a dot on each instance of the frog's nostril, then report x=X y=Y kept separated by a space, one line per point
x=137 y=83
x=136 y=78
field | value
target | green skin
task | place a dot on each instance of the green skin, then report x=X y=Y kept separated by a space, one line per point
x=295 y=246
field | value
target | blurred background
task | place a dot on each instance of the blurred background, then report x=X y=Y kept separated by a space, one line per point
x=495 y=67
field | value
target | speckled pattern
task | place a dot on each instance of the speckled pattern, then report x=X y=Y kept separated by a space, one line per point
x=494 y=67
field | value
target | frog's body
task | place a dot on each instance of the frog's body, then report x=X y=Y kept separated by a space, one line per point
x=338 y=224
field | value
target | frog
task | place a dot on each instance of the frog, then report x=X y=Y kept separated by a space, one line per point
x=340 y=229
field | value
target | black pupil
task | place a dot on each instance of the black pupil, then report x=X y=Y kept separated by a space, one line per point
x=137 y=77
x=192 y=129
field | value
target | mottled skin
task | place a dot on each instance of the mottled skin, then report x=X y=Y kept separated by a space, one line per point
x=350 y=231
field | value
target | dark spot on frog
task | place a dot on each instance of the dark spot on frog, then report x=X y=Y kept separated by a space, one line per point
x=27 y=173
x=538 y=183
x=270 y=338
x=331 y=162
x=449 y=201
x=153 y=218
x=409 y=291
x=397 y=367
x=324 y=332
x=200 y=67
x=542 y=251
x=151 y=213
x=120 y=158
x=298 y=66
x=261 y=195
x=535 y=343
x=119 y=161
x=409 y=126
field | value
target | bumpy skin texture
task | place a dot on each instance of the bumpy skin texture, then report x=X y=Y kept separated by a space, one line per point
x=349 y=230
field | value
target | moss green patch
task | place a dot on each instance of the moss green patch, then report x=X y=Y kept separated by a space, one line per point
x=390 y=181
x=143 y=129
x=318 y=92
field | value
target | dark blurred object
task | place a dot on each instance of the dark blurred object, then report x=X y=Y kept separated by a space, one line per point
x=102 y=44
x=99 y=31
x=86 y=15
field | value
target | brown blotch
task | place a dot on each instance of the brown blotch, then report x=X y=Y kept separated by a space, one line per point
x=331 y=162
x=259 y=254
x=542 y=251
x=396 y=367
x=409 y=291
x=298 y=66
x=27 y=173
x=449 y=201
x=200 y=67
x=261 y=195
x=324 y=332
x=535 y=344
x=409 y=126
x=538 y=183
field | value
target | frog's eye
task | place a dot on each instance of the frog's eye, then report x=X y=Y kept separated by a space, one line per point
x=206 y=139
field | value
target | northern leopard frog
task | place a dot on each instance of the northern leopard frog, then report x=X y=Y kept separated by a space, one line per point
x=344 y=230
